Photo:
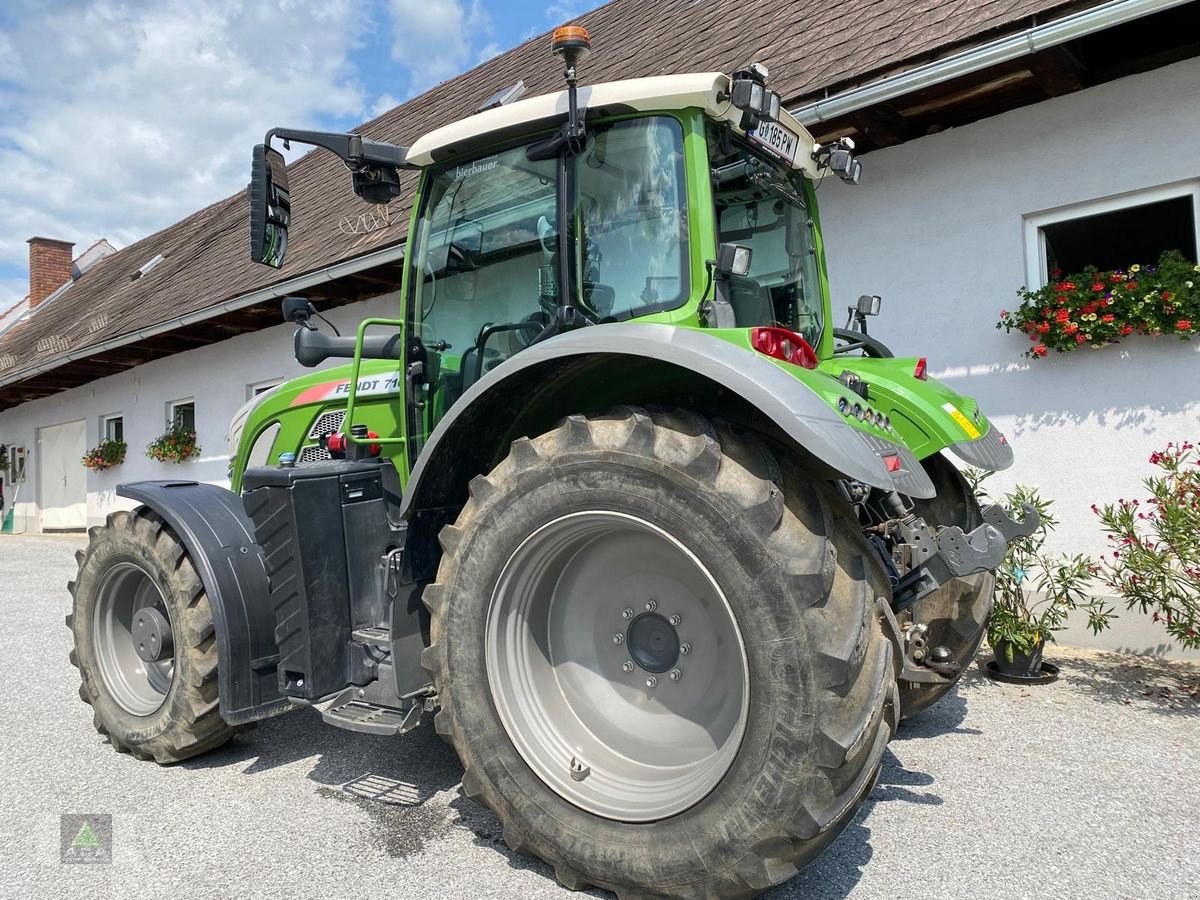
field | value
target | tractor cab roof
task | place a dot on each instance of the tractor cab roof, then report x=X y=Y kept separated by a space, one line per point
x=708 y=91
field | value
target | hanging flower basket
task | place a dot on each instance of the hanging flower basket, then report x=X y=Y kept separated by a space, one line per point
x=105 y=455
x=1096 y=308
x=175 y=445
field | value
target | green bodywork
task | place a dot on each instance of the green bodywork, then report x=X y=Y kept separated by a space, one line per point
x=925 y=415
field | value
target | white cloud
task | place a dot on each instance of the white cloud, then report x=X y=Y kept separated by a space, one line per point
x=118 y=118
x=434 y=39
x=565 y=10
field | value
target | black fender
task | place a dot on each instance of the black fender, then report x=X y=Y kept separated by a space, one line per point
x=528 y=377
x=219 y=538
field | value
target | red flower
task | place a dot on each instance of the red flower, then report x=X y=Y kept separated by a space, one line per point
x=1039 y=350
x=1098 y=287
x=1043 y=327
x=1063 y=316
x=1079 y=339
x=1088 y=308
x=1131 y=285
x=1070 y=328
x=1183 y=325
x=1107 y=317
x=1166 y=295
x=1126 y=329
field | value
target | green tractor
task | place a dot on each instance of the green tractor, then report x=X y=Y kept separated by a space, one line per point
x=668 y=553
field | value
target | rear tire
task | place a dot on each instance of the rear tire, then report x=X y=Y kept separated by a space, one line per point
x=165 y=710
x=802 y=587
x=955 y=614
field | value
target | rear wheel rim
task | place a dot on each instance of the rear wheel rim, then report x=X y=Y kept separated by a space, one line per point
x=138 y=686
x=617 y=666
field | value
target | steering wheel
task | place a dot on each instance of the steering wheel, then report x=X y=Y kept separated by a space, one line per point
x=852 y=341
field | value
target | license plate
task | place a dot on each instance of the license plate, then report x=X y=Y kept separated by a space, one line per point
x=781 y=141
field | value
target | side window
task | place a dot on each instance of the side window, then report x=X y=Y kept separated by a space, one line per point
x=112 y=428
x=484 y=273
x=634 y=211
x=182 y=414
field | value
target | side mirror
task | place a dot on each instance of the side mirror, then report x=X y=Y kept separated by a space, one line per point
x=734 y=259
x=868 y=305
x=270 y=207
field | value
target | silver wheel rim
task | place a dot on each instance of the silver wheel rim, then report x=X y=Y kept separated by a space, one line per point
x=617 y=666
x=140 y=687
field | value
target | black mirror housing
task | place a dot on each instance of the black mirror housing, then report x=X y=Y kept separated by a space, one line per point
x=270 y=207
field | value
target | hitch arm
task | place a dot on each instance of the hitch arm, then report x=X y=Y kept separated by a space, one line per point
x=995 y=516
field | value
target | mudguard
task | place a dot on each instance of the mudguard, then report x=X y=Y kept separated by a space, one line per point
x=805 y=417
x=219 y=537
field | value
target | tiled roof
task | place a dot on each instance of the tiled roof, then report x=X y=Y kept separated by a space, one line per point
x=810 y=47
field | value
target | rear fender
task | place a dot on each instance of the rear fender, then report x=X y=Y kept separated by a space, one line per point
x=219 y=538
x=531 y=380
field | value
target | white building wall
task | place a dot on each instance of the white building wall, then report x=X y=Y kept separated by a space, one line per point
x=216 y=377
x=936 y=227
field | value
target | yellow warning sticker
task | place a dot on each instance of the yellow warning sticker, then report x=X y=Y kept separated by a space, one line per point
x=967 y=425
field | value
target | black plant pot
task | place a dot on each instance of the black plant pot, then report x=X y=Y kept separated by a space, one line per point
x=1023 y=665
x=1025 y=668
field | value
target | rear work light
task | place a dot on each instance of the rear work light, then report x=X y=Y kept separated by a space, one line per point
x=783 y=344
x=922 y=369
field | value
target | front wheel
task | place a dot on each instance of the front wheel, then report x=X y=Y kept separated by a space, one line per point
x=660 y=656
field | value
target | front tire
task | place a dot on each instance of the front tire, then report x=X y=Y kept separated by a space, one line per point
x=775 y=731
x=137 y=591
x=955 y=615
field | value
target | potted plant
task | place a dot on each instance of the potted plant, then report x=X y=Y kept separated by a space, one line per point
x=1154 y=563
x=1036 y=591
x=175 y=445
x=1095 y=307
x=105 y=455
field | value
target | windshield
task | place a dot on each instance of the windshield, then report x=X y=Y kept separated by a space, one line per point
x=763 y=206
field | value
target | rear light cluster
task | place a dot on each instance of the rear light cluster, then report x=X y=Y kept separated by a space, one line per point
x=864 y=414
x=921 y=371
x=780 y=343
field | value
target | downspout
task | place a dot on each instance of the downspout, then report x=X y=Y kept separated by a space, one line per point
x=1029 y=41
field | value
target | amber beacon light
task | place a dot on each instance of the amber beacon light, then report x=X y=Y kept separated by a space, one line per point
x=571 y=41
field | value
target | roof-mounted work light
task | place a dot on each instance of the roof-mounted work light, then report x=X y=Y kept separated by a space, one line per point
x=748 y=92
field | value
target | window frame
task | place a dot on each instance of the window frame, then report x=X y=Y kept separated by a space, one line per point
x=1037 y=273
x=173 y=405
x=112 y=417
x=261 y=387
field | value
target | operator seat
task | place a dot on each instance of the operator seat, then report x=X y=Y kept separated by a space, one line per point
x=751 y=302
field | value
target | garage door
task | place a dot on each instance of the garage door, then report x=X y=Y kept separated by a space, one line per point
x=62 y=478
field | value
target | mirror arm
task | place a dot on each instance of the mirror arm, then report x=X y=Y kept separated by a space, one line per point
x=353 y=149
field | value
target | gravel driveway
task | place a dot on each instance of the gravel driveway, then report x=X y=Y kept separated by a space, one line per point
x=1086 y=788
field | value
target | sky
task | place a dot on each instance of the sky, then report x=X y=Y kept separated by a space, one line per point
x=119 y=118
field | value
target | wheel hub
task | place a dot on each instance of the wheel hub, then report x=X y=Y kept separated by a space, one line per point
x=151 y=634
x=653 y=643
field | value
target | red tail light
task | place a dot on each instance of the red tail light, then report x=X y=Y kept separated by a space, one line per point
x=922 y=369
x=892 y=463
x=783 y=344
x=375 y=449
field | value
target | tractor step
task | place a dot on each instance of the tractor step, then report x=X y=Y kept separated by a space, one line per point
x=354 y=713
x=380 y=637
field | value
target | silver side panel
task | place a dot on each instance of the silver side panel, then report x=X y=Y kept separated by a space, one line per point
x=802 y=415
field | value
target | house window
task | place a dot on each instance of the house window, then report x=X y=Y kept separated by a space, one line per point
x=261 y=387
x=1113 y=233
x=182 y=414
x=112 y=428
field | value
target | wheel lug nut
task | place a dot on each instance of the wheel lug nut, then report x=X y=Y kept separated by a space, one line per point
x=651 y=606
x=685 y=648
x=674 y=620
x=651 y=681
x=676 y=674
x=627 y=613
x=628 y=666
x=618 y=638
